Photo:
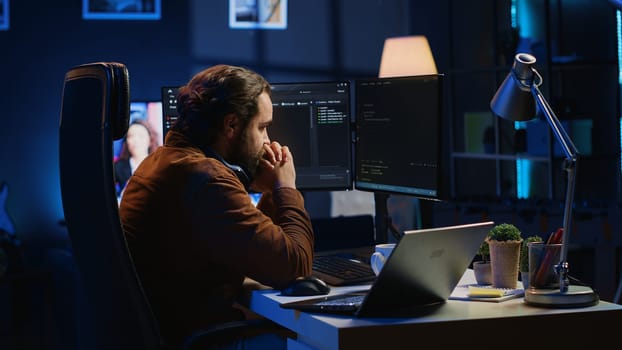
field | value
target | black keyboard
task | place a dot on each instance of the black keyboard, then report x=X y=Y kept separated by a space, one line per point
x=339 y=270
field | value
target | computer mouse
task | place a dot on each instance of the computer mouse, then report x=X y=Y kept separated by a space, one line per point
x=309 y=285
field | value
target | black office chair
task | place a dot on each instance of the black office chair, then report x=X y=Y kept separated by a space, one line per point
x=94 y=112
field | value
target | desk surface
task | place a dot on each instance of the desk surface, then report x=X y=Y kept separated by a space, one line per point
x=456 y=322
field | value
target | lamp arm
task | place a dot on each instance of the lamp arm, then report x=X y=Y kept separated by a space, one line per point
x=570 y=150
x=570 y=167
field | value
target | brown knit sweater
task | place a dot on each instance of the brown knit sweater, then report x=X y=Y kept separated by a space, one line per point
x=194 y=235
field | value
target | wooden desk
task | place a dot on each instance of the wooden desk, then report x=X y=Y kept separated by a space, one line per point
x=468 y=324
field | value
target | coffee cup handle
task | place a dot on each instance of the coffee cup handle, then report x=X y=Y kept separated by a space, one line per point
x=376 y=261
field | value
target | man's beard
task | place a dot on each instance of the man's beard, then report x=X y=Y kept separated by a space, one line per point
x=245 y=158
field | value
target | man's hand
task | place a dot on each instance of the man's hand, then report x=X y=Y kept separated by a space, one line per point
x=276 y=169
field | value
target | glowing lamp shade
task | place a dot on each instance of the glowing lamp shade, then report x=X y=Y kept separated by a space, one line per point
x=406 y=55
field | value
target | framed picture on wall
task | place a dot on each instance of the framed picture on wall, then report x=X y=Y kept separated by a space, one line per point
x=4 y=14
x=261 y=14
x=121 y=9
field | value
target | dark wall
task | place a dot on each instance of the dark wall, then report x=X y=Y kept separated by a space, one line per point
x=45 y=40
x=324 y=40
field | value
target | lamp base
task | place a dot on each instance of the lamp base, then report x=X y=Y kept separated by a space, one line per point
x=576 y=296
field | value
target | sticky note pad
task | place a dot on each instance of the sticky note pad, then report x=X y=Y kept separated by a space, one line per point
x=486 y=292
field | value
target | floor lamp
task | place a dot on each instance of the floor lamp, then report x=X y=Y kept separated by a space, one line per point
x=518 y=99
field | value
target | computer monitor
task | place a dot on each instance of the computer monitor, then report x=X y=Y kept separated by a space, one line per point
x=169 y=108
x=148 y=113
x=399 y=133
x=313 y=119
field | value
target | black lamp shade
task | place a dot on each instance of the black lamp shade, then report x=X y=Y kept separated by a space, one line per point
x=514 y=100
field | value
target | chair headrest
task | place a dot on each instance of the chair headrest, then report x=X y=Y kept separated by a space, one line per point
x=115 y=77
x=119 y=99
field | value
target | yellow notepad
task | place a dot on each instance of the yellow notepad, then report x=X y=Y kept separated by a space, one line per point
x=475 y=292
x=482 y=292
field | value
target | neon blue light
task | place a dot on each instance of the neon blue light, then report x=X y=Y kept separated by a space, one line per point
x=523 y=182
x=523 y=166
x=523 y=169
x=619 y=32
x=523 y=14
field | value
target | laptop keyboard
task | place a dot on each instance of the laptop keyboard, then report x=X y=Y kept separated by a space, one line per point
x=347 y=302
x=340 y=270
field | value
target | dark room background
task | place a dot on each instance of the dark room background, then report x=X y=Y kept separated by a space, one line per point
x=473 y=42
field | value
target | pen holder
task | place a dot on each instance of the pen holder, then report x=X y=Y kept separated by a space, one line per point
x=543 y=260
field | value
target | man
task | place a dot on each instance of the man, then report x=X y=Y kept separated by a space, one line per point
x=191 y=227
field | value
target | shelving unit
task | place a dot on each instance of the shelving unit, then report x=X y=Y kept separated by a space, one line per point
x=580 y=81
x=492 y=158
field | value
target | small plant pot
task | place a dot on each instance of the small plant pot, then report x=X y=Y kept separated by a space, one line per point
x=483 y=272
x=504 y=257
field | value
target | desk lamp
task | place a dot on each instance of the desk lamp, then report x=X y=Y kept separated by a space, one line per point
x=518 y=99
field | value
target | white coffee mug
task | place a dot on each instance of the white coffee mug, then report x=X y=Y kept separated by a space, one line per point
x=381 y=254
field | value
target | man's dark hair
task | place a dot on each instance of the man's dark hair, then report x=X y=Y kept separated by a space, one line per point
x=214 y=93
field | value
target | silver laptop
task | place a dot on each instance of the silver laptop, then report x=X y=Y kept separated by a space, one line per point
x=419 y=275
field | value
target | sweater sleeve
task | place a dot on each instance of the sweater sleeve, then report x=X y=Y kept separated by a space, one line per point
x=271 y=243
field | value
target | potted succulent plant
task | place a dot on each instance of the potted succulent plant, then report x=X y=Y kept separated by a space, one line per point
x=524 y=259
x=504 y=241
x=481 y=268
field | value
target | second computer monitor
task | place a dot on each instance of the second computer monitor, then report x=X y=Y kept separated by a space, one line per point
x=399 y=128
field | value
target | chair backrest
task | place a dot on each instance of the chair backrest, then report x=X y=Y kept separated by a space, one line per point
x=94 y=113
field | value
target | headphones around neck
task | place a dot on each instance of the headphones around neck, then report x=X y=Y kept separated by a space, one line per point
x=242 y=175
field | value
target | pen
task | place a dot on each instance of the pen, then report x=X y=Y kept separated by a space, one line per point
x=549 y=254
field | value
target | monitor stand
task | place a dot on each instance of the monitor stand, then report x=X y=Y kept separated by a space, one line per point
x=383 y=222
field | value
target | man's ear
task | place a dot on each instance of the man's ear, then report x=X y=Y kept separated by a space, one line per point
x=231 y=125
